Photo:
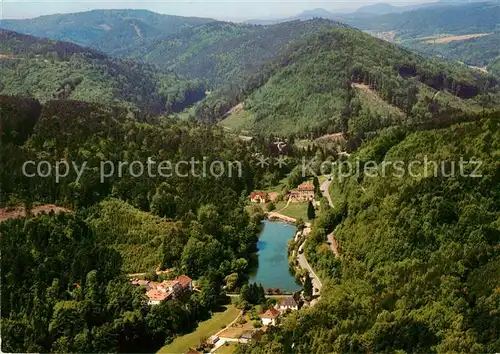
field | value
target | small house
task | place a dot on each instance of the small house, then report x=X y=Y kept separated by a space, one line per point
x=185 y=282
x=269 y=317
x=259 y=197
x=287 y=303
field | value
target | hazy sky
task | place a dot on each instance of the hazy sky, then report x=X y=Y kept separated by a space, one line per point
x=224 y=9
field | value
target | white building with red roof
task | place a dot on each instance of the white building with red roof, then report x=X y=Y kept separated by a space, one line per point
x=269 y=317
x=167 y=289
x=259 y=197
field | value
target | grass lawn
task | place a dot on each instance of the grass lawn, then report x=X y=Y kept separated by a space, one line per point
x=237 y=329
x=227 y=348
x=294 y=210
x=239 y=120
x=204 y=330
x=277 y=188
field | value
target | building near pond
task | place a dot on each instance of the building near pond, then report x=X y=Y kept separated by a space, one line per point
x=167 y=289
x=269 y=317
x=259 y=197
x=287 y=303
x=303 y=193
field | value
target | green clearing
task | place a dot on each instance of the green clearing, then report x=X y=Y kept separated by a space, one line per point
x=279 y=188
x=135 y=234
x=205 y=329
x=238 y=121
x=372 y=102
x=294 y=210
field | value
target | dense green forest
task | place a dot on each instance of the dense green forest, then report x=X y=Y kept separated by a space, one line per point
x=47 y=69
x=419 y=269
x=191 y=224
x=214 y=51
x=310 y=88
x=222 y=52
x=63 y=291
x=420 y=261
x=105 y=30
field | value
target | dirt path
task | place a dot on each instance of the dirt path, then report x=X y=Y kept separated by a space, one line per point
x=20 y=211
x=286 y=206
x=221 y=342
x=158 y=272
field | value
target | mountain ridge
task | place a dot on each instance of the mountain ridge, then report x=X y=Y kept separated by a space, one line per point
x=96 y=28
x=310 y=88
x=48 y=69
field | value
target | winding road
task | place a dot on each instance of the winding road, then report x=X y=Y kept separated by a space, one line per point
x=305 y=265
x=334 y=246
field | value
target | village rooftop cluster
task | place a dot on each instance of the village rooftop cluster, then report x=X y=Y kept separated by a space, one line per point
x=165 y=290
x=304 y=193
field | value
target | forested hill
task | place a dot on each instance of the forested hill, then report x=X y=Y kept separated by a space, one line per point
x=63 y=283
x=464 y=19
x=47 y=69
x=345 y=80
x=105 y=30
x=420 y=265
x=221 y=52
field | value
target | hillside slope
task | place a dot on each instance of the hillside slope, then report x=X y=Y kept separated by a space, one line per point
x=470 y=18
x=310 y=88
x=106 y=30
x=420 y=259
x=221 y=52
x=46 y=69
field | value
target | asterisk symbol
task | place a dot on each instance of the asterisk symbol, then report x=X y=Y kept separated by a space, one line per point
x=280 y=161
x=262 y=161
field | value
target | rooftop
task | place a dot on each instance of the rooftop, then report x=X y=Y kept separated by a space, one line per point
x=271 y=313
x=169 y=283
x=184 y=280
x=157 y=295
x=306 y=187
x=258 y=194
x=288 y=301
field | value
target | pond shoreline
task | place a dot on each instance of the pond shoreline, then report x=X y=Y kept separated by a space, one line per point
x=273 y=216
x=273 y=269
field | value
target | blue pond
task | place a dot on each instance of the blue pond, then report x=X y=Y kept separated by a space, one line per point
x=273 y=269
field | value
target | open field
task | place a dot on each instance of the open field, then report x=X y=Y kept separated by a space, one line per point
x=456 y=38
x=238 y=120
x=372 y=102
x=20 y=212
x=294 y=210
x=236 y=330
x=205 y=329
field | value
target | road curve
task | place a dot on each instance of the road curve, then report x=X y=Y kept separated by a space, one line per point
x=334 y=246
x=305 y=265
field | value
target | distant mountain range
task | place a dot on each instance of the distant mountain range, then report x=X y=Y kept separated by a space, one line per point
x=105 y=30
x=361 y=13
x=191 y=55
x=411 y=25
